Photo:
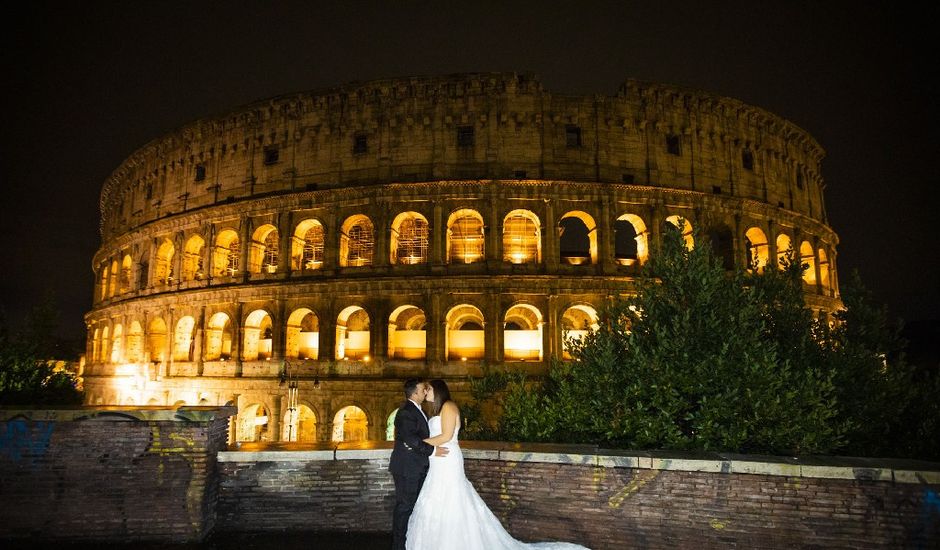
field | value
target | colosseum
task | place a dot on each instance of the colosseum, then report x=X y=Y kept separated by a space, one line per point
x=300 y=256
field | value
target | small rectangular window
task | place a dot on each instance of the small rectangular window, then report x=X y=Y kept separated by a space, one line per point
x=747 y=159
x=572 y=136
x=200 y=172
x=149 y=191
x=271 y=155
x=799 y=180
x=465 y=136
x=673 y=146
x=360 y=144
x=629 y=179
x=519 y=174
x=716 y=189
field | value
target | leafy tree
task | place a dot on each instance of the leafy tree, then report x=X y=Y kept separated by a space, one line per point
x=27 y=374
x=686 y=363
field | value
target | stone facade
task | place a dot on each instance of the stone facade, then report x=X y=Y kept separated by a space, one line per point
x=337 y=242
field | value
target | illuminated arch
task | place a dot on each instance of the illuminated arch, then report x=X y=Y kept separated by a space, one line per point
x=464 y=336
x=105 y=274
x=578 y=238
x=409 y=239
x=465 y=242
x=522 y=333
x=105 y=344
x=685 y=226
x=259 y=334
x=113 y=278
x=252 y=423
x=758 y=249
x=631 y=240
x=808 y=263
x=356 y=242
x=156 y=339
x=407 y=337
x=192 y=259
x=96 y=345
x=163 y=263
x=350 y=424
x=577 y=322
x=134 y=348
x=352 y=334
x=183 y=339
x=226 y=257
x=299 y=425
x=784 y=250
x=308 y=246
x=218 y=337
x=117 y=342
x=125 y=280
x=390 y=425
x=303 y=335
x=265 y=250
x=522 y=241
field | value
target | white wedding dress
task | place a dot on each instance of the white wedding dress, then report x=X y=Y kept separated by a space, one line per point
x=450 y=514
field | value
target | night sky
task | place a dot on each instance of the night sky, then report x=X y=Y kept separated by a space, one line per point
x=89 y=82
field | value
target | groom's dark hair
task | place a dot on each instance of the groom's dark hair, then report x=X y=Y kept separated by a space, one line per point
x=410 y=386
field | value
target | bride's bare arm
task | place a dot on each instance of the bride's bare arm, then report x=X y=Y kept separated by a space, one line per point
x=449 y=415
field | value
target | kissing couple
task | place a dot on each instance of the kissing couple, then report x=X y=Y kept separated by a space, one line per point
x=436 y=506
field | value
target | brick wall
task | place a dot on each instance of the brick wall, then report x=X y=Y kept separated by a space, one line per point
x=604 y=501
x=110 y=474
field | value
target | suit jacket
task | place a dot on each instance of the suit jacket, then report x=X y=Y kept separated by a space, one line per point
x=410 y=455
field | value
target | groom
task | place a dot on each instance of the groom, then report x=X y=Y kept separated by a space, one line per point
x=409 y=462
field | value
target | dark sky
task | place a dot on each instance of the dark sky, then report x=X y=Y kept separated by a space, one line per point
x=87 y=83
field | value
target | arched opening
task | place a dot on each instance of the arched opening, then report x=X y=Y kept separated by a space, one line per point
x=308 y=246
x=390 y=426
x=522 y=333
x=117 y=341
x=409 y=239
x=126 y=265
x=192 y=259
x=156 y=339
x=577 y=242
x=357 y=242
x=685 y=226
x=183 y=339
x=134 y=348
x=407 y=338
x=808 y=262
x=263 y=256
x=758 y=250
x=576 y=322
x=105 y=273
x=631 y=240
x=96 y=346
x=721 y=240
x=253 y=423
x=163 y=263
x=350 y=424
x=465 y=237
x=112 y=280
x=218 y=338
x=352 y=334
x=784 y=250
x=522 y=241
x=300 y=424
x=465 y=337
x=226 y=257
x=824 y=280
x=303 y=335
x=105 y=344
x=259 y=335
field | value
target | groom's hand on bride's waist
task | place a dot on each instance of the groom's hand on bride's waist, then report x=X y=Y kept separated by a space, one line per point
x=441 y=451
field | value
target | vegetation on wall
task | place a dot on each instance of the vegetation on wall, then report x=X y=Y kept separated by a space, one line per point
x=705 y=359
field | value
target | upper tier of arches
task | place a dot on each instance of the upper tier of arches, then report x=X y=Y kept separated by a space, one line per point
x=480 y=126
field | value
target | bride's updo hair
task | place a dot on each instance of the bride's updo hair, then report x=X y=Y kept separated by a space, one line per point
x=441 y=395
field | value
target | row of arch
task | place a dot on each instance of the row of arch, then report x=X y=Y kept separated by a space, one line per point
x=410 y=244
x=407 y=335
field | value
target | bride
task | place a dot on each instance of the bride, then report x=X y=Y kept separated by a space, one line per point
x=448 y=505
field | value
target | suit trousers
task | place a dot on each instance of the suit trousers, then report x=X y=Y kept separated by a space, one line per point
x=407 y=488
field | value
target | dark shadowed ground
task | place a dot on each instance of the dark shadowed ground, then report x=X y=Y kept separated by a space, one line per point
x=235 y=541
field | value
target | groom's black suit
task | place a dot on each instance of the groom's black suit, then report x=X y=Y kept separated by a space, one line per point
x=409 y=466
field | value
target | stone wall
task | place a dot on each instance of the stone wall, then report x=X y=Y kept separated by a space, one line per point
x=605 y=500
x=110 y=474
